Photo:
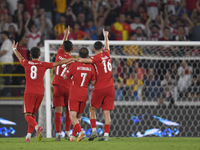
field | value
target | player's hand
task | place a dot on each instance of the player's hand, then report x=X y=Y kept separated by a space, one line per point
x=14 y=45
x=105 y=33
x=67 y=31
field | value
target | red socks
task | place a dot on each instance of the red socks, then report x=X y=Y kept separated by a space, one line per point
x=106 y=128
x=67 y=121
x=76 y=128
x=31 y=121
x=30 y=128
x=57 y=121
x=93 y=123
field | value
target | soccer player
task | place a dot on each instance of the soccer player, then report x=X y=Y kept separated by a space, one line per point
x=34 y=90
x=82 y=74
x=104 y=92
x=61 y=88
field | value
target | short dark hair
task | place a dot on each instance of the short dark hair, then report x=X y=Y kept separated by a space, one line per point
x=98 y=45
x=35 y=52
x=68 y=46
x=166 y=28
x=83 y=52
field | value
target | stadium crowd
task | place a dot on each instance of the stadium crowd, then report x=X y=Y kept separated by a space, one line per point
x=34 y=21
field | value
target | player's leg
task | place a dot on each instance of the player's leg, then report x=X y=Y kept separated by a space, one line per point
x=74 y=107
x=58 y=104
x=106 y=114
x=67 y=118
x=30 y=131
x=96 y=100
x=79 y=117
x=67 y=124
x=107 y=105
x=57 y=121
x=30 y=106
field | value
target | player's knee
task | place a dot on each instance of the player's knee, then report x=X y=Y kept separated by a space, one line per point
x=93 y=109
x=58 y=109
x=27 y=114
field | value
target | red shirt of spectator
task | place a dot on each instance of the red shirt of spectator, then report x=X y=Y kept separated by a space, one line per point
x=30 y=5
x=77 y=35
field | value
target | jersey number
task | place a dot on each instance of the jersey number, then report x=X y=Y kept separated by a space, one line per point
x=108 y=65
x=84 y=76
x=65 y=68
x=33 y=72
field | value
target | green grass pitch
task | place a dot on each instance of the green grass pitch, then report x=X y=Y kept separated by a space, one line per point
x=146 y=143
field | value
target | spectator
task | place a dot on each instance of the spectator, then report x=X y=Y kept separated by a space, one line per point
x=70 y=17
x=27 y=17
x=34 y=35
x=3 y=19
x=30 y=5
x=132 y=13
x=140 y=70
x=180 y=36
x=136 y=85
x=6 y=55
x=196 y=30
x=81 y=20
x=48 y=24
x=140 y=34
x=155 y=33
x=137 y=23
x=121 y=29
x=59 y=28
x=77 y=6
x=101 y=12
x=20 y=10
x=185 y=76
x=166 y=34
x=113 y=13
x=10 y=22
x=132 y=50
x=182 y=9
x=48 y=8
x=168 y=84
x=153 y=89
x=118 y=91
x=152 y=7
x=194 y=88
x=59 y=8
x=142 y=13
x=91 y=30
x=3 y=7
x=171 y=5
x=110 y=35
x=77 y=34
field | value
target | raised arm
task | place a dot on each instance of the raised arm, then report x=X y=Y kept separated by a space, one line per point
x=189 y=21
x=106 y=41
x=148 y=22
x=66 y=32
x=20 y=23
x=18 y=55
x=43 y=24
x=64 y=61
x=27 y=22
x=162 y=21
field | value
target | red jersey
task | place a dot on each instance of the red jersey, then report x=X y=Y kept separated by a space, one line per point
x=23 y=51
x=103 y=66
x=34 y=72
x=60 y=70
x=81 y=74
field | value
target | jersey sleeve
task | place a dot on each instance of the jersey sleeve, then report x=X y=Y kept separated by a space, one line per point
x=95 y=59
x=93 y=77
x=69 y=71
x=23 y=61
x=48 y=65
